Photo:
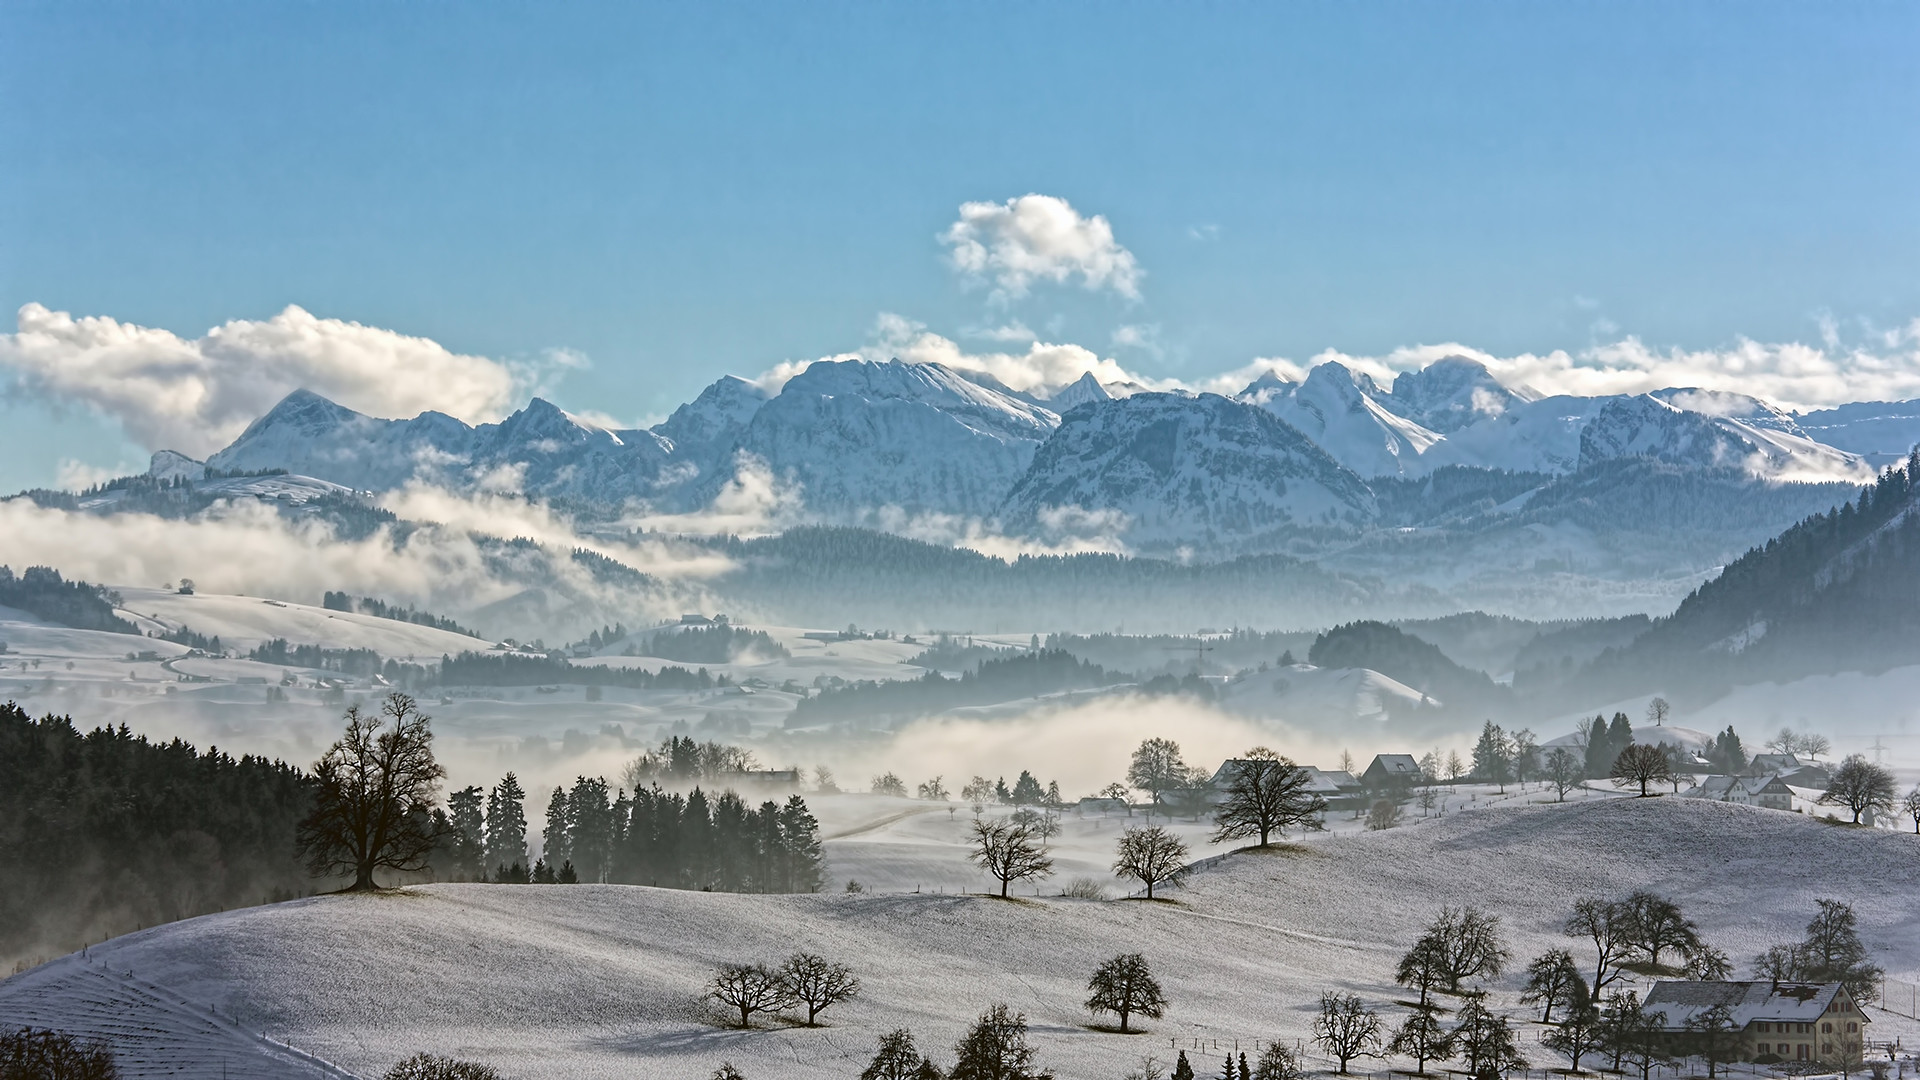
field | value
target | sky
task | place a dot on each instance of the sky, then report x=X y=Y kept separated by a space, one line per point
x=426 y=205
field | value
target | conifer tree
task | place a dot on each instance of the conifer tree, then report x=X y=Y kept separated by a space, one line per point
x=556 y=840
x=467 y=840
x=507 y=824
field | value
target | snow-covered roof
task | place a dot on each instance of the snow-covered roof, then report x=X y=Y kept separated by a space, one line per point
x=1746 y=1002
x=1395 y=765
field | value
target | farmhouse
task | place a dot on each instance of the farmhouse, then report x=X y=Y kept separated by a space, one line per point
x=1389 y=772
x=1764 y=1021
x=1768 y=791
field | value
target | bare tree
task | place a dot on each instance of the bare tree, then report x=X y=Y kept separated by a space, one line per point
x=812 y=981
x=1605 y=924
x=995 y=1048
x=374 y=796
x=750 y=988
x=1486 y=1042
x=1157 y=768
x=932 y=790
x=1552 y=980
x=1458 y=945
x=1424 y=967
x=1009 y=852
x=1860 y=786
x=1912 y=806
x=1579 y=1031
x=1658 y=710
x=1268 y=794
x=897 y=1059
x=1565 y=770
x=1346 y=1028
x=1151 y=854
x=1423 y=1039
x=1124 y=986
x=1642 y=765
x=1654 y=925
x=889 y=784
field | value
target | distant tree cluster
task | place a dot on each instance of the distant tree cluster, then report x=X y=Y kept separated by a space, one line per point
x=518 y=669
x=42 y=1054
x=680 y=760
x=1402 y=656
x=652 y=837
x=107 y=832
x=368 y=605
x=41 y=591
x=720 y=644
x=994 y=680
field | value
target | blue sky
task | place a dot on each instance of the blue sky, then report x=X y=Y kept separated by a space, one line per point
x=675 y=192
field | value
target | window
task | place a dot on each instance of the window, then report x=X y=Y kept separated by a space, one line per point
x=1851 y=1026
x=1827 y=1028
x=1762 y=1049
x=1763 y=1031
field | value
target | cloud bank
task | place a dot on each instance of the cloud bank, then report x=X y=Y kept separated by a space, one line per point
x=196 y=395
x=1038 y=238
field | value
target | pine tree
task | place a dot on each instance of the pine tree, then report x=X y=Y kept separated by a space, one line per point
x=468 y=833
x=1182 y=1068
x=506 y=824
x=556 y=840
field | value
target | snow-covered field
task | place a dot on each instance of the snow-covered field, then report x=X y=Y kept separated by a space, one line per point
x=603 y=981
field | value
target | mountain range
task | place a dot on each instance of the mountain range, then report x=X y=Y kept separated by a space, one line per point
x=855 y=436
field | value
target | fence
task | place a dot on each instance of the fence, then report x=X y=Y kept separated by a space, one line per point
x=1900 y=998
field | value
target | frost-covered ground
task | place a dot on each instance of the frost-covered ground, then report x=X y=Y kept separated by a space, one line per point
x=602 y=981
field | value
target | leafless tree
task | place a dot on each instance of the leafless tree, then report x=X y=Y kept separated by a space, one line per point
x=1009 y=852
x=1422 y=1039
x=1346 y=1028
x=374 y=796
x=750 y=988
x=1124 y=986
x=1565 y=770
x=1642 y=765
x=1658 y=710
x=1912 y=806
x=1605 y=924
x=1860 y=786
x=1655 y=924
x=810 y=980
x=1151 y=854
x=1268 y=794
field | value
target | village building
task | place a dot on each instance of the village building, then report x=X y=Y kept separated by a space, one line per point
x=1391 y=772
x=1764 y=1021
x=1765 y=791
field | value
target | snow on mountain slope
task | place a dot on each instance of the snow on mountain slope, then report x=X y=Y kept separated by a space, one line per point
x=592 y=981
x=245 y=621
x=1880 y=431
x=1449 y=394
x=543 y=449
x=311 y=436
x=1203 y=469
x=1085 y=389
x=859 y=435
x=1645 y=425
x=1528 y=436
x=705 y=430
x=1337 y=410
x=1322 y=699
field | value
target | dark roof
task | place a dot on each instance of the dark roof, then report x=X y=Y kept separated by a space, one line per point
x=1746 y=1002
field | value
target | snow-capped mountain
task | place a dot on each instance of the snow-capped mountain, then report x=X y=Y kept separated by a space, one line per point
x=858 y=435
x=1341 y=412
x=1527 y=436
x=1879 y=431
x=1449 y=394
x=1647 y=426
x=541 y=450
x=1184 y=468
x=705 y=430
x=1085 y=389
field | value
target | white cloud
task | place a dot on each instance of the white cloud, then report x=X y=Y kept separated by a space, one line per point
x=1039 y=238
x=195 y=395
x=1793 y=375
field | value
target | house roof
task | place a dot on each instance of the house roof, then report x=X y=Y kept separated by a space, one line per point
x=1394 y=765
x=1746 y=1002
